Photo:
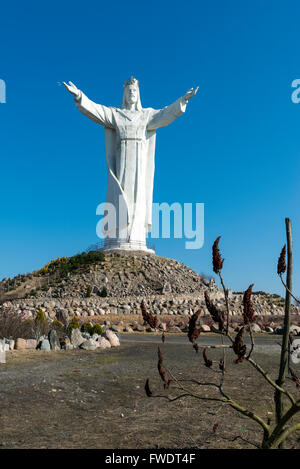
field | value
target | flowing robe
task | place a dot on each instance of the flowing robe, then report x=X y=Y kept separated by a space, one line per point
x=130 y=148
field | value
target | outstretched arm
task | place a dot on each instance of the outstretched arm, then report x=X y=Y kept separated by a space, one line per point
x=96 y=112
x=165 y=116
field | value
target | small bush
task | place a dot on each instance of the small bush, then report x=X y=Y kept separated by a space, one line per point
x=88 y=291
x=57 y=325
x=74 y=324
x=40 y=317
x=97 y=329
x=87 y=327
x=13 y=326
x=40 y=325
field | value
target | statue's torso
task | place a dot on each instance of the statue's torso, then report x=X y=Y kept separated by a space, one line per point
x=131 y=126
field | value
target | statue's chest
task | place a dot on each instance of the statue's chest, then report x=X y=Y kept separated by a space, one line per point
x=131 y=127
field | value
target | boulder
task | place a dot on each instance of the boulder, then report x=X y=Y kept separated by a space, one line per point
x=269 y=329
x=113 y=339
x=255 y=328
x=76 y=338
x=54 y=341
x=20 y=344
x=31 y=344
x=103 y=343
x=2 y=351
x=88 y=345
x=204 y=328
x=295 y=330
x=45 y=345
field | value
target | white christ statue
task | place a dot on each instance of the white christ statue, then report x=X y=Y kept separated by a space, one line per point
x=129 y=147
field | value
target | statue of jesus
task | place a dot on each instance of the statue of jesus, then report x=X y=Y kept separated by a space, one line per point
x=129 y=146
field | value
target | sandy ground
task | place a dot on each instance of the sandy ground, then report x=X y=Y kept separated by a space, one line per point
x=96 y=399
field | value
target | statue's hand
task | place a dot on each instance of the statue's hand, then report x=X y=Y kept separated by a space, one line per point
x=190 y=93
x=72 y=88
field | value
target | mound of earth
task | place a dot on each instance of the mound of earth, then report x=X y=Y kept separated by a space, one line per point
x=114 y=274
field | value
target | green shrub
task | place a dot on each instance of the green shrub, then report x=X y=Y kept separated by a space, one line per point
x=68 y=265
x=74 y=324
x=97 y=329
x=87 y=327
x=40 y=317
x=57 y=324
x=88 y=291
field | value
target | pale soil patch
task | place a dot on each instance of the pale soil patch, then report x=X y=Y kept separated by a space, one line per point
x=74 y=399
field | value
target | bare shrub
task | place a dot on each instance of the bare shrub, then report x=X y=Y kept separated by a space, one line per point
x=13 y=326
x=286 y=405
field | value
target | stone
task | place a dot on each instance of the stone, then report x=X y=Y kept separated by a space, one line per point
x=295 y=330
x=204 y=328
x=140 y=328
x=54 y=341
x=88 y=345
x=85 y=335
x=113 y=339
x=62 y=316
x=103 y=343
x=31 y=343
x=269 y=329
x=255 y=328
x=45 y=345
x=20 y=344
x=69 y=347
x=76 y=338
x=2 y=351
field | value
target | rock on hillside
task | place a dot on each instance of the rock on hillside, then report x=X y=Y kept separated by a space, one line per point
x=119 y=274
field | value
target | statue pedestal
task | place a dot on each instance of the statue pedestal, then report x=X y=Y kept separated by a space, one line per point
x=125 y=245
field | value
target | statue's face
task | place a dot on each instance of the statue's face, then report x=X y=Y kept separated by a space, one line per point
x=131 y=94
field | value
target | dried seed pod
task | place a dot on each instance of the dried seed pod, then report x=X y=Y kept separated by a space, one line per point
x=207 y=362
x=193 y=332
x=248 y=313
x=147 y=388
x=163 y=373
x=216 y=314
x=238 y=346
x=215 y=427
x=163 y=338
x=281 y=265
x=148 y=317
x=217 y=260
x=221 y=364
x=294 y=376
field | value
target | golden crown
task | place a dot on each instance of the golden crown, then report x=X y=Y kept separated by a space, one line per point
x=131 y=81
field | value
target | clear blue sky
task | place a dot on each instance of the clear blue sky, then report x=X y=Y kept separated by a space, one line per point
x=236 y=149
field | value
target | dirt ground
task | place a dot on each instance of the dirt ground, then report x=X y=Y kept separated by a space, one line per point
x=96 y=399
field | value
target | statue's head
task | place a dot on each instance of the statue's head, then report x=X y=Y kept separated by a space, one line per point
x=131 y=94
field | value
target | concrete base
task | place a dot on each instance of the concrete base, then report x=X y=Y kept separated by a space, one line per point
x=124 y=245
